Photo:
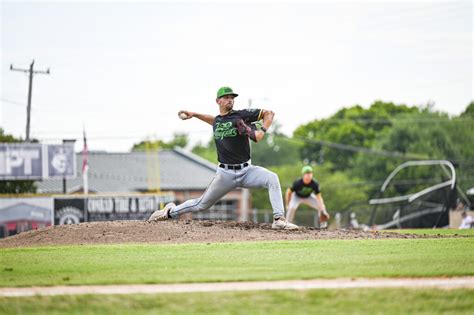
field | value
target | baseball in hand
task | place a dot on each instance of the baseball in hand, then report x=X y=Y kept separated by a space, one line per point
x=182 y=115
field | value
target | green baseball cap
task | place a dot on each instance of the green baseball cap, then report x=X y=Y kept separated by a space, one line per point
x=225 y=90
x=306 y=169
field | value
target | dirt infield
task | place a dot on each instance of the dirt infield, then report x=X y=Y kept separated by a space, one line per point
x=119 y=232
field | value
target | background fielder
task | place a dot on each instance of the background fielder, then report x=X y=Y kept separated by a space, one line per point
x=306 y=190
x=232 y=130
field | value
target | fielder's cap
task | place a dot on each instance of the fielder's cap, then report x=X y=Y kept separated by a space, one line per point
x=225 y=90
x=306 y=169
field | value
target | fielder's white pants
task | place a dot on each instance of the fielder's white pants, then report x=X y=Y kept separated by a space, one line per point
x=295 y=201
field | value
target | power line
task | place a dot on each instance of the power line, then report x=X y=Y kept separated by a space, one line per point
x=334 y=145
x=399 y=182
x=400 y=119
x=125 y=177
x=12 y=102
x=145 y=135
x=339 y=146
x=347 y=147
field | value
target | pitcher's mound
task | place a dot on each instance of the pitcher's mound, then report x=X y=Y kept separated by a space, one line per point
x=116 y=232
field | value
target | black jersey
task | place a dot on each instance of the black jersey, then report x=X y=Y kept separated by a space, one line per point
x=232 y=142
x=305 y=190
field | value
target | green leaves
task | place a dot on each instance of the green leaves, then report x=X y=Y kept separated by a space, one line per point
x=356 y=149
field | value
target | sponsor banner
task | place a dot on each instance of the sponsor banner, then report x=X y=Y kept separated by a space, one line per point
x=34 y=161
x=23 y=214
x=70 y=210
x=61 y=161
x=21 y=161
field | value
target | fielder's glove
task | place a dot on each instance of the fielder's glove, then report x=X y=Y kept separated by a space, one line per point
x=323 y=221
x=244 y=129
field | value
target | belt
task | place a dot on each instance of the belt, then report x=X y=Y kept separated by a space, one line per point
x=234 y=166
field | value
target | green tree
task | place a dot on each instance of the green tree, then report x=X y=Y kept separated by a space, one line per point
x=381 y=137
x=422 y=135
x=353 y=126
x=275 y=149
x=469 y=112
x=15 y=186
x=207 y=151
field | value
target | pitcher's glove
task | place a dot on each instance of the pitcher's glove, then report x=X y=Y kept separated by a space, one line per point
x=244 y=129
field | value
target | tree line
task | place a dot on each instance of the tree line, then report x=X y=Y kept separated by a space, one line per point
x=355 y=149
x=351 y=152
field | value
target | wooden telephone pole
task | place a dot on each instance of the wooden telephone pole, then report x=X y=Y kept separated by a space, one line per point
x=30 y=88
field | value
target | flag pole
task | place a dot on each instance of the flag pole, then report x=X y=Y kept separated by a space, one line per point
x=85 y=165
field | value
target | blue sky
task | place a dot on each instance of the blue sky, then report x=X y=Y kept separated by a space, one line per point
x=124 y=69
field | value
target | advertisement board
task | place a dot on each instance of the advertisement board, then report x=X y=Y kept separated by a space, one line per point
x=23 y=214
x=27 y=213
x=34 y=161
x=71 y=210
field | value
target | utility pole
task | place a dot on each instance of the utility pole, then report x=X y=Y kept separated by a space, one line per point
x=30 y=88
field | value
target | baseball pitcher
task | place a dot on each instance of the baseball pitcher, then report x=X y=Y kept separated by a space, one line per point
x=232 y=131
x=306 y=190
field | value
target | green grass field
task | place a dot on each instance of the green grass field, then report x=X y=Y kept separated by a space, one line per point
x=248 y=261
x=360 y=301
x=180 y=263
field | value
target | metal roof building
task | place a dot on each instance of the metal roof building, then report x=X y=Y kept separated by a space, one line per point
x=168 y=170
x=175 y=171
